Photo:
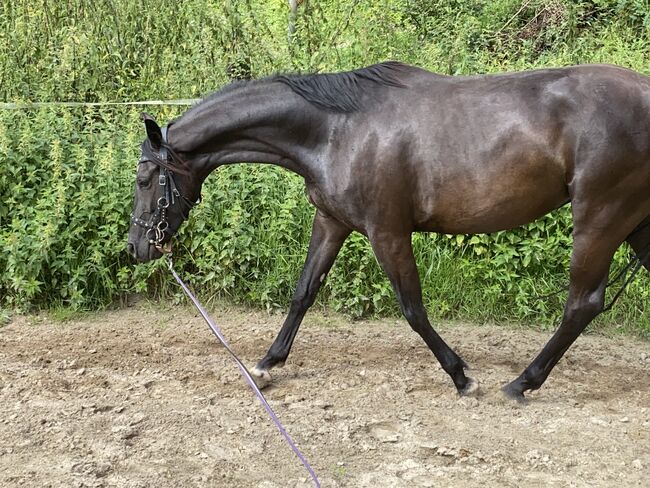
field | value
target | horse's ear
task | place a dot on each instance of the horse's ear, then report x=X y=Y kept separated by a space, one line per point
x=153 y=130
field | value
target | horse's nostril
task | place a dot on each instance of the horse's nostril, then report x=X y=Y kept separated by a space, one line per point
x=130 y=248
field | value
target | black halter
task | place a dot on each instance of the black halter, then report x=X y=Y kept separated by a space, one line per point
x=158 y=226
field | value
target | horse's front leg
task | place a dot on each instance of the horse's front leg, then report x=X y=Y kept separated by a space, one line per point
x=395 y=254
x=327 y=237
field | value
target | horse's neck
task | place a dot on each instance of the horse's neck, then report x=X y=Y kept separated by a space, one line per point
x=261 y=122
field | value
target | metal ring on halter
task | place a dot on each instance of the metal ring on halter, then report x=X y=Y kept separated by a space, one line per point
x=160 y=235
x=152 y=240
x=163 y=202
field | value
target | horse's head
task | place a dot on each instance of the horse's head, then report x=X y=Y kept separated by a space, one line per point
x=165 y=192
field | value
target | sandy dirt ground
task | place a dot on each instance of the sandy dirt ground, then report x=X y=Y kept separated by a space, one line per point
x=147 y=398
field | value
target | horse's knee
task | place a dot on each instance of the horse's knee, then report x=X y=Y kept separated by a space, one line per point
x=410 y=315
x=299 y=302
x=303 y=300
x=415 y=316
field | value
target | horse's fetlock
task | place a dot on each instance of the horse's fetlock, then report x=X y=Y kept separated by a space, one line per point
x=274 y=357
x=533 y=378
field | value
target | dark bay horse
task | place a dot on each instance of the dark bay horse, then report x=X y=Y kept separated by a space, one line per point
x=392 y=149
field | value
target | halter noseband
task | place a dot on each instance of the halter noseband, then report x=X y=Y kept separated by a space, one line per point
x=158 y=225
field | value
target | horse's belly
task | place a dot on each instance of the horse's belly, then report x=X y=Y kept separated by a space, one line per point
x=503 y=205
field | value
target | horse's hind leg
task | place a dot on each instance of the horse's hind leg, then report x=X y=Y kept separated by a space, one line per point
x=594 y=242
x=327 y=237
x=639 y=239
x=395 y=254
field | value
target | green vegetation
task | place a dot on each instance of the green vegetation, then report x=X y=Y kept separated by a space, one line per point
x=66 y=174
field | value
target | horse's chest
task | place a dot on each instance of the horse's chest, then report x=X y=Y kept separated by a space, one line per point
x=335 y=205
x=322 y=200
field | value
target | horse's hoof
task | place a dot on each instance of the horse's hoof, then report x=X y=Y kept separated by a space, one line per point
x=261 y=376
x=471 y=388
x=513 y=394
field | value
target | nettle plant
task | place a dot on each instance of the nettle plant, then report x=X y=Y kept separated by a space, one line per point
x=66 y=174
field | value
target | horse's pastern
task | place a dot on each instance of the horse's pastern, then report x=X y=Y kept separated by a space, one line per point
x=513 y=393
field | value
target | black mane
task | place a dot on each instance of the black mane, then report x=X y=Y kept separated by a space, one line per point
x=335 y=92
x=342 y=92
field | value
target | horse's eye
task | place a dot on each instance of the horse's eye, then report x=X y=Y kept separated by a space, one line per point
x=144 y=184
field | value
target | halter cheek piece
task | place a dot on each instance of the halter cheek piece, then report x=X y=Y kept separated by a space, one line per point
x=158 y=226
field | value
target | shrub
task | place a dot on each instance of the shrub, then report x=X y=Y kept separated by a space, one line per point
x=66 y=174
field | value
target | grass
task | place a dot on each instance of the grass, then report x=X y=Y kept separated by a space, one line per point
x=5 y=317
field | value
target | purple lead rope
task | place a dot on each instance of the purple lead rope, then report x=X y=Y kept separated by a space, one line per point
x=245 y=373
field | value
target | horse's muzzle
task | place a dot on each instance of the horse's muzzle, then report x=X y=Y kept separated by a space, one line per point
x=130 y=248
x=149 y=253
